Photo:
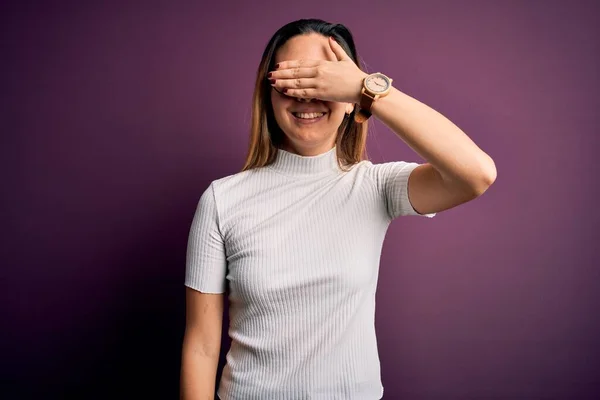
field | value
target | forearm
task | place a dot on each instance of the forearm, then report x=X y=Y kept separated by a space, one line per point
x=198 y=373
x=435 y=138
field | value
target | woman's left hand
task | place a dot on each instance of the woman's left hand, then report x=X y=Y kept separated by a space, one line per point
x=339 y=81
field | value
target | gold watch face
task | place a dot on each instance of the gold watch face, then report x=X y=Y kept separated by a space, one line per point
x=377 y=83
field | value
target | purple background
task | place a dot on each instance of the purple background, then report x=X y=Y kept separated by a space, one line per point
x=115 y=118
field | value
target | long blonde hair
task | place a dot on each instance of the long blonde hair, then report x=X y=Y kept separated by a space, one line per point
x=265 y=135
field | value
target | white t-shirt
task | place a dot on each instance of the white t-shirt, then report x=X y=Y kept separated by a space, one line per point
x=298 y=243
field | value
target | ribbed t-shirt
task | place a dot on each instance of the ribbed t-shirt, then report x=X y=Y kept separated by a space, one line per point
x=296 y=244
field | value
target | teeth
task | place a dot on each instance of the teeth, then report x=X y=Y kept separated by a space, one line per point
x=309 y=115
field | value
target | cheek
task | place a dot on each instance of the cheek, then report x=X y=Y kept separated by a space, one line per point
x=274 y=102
x=277 y=108
x=279 y=105
x=335 y=107
x=337 y=114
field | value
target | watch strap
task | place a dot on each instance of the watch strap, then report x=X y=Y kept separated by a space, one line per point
x=366 y=100
x=364 y=110
x=361 y=115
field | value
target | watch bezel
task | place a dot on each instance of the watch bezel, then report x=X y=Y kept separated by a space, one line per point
x=386 y=78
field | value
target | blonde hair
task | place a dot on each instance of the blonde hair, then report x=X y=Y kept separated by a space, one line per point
x=265 y=135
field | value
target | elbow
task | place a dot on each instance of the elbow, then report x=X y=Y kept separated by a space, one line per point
x=485 y=178
x=474 y=182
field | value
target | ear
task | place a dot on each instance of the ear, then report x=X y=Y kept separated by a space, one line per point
x=349 y=108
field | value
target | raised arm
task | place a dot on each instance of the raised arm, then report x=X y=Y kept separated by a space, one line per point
x=457 y=170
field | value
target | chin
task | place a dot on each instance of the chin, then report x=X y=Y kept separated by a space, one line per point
x=307 y=136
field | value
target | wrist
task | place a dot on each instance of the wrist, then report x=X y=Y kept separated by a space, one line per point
x=383 y=101
x=376 y=86
x=360 y=85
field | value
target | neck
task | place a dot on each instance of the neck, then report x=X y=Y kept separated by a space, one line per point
x=291 y=163
x=308 y=151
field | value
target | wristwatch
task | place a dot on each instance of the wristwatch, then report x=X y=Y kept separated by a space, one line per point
x=375 y=86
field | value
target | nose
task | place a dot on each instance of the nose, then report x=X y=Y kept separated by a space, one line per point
x=302 y=100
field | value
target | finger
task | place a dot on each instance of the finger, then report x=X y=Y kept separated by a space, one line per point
x=308 y=93
x=297 y=83
x=290 y=73
x=297 y=63
x=339 y=52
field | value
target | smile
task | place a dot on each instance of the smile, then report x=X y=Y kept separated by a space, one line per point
x=308 y=118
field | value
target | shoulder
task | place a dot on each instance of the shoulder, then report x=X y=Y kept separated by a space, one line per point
x=240 y=184
x=379 y=173
x=222 y=193
x=237 y=177
x=390 y=169
x=388 y=165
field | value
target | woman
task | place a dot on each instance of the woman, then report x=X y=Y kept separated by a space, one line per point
x=296 y=236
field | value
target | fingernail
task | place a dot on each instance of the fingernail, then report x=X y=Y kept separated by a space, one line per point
x=284 y=90
x=272 y=81
x=270 y=74
x=277 y=65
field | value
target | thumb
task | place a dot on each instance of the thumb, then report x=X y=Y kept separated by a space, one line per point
x=338 y=50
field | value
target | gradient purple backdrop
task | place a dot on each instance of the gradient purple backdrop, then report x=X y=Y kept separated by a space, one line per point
x=115 y=118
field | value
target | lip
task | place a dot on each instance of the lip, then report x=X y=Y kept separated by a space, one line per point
x=308 y=111
x=304 y=121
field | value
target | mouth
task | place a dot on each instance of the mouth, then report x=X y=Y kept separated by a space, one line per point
x=308 y=118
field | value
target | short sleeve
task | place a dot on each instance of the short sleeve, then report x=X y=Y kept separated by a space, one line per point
x=206 y=262
x=391 y=180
